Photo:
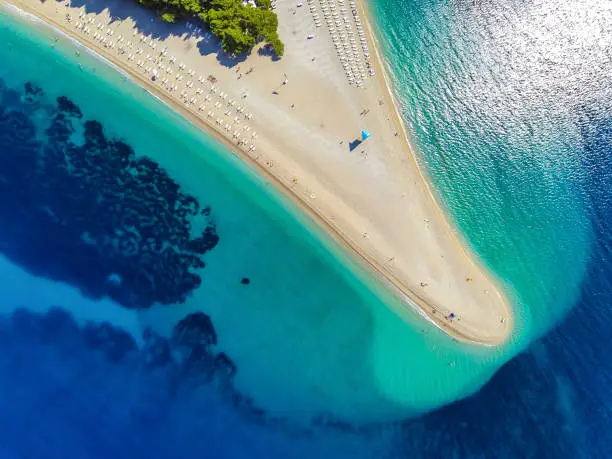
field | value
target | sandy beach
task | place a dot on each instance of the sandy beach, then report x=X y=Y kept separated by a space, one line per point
x=298 y=121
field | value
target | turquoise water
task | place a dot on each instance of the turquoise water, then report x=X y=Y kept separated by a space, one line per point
x=489 y=95
x=309 y=336
x=508 y=105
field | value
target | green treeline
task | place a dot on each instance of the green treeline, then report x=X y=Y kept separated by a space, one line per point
x=239 y=27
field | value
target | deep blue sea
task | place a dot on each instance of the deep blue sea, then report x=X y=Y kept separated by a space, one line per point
x=158 y=300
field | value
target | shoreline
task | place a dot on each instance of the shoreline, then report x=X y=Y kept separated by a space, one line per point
x=461 y=241
x=363 y=259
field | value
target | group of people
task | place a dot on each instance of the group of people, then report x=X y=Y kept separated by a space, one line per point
x=194 y=93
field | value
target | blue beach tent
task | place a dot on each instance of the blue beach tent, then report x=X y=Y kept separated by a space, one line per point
x=365 y=135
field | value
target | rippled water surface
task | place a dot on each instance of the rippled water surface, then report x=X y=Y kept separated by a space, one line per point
x=160 y=301
x=509 y=104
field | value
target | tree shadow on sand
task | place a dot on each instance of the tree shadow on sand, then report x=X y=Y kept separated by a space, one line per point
x=149 y=24
x=212 y=46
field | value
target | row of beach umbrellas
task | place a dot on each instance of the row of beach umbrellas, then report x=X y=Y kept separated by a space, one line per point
x=345 y=40
x=164 y=71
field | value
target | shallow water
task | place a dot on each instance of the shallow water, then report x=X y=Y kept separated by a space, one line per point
x=494 y=96
x=306 y=336
x=123 y=201
x=509 y=105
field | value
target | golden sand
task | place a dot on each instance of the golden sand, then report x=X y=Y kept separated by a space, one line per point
x=374 y=199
